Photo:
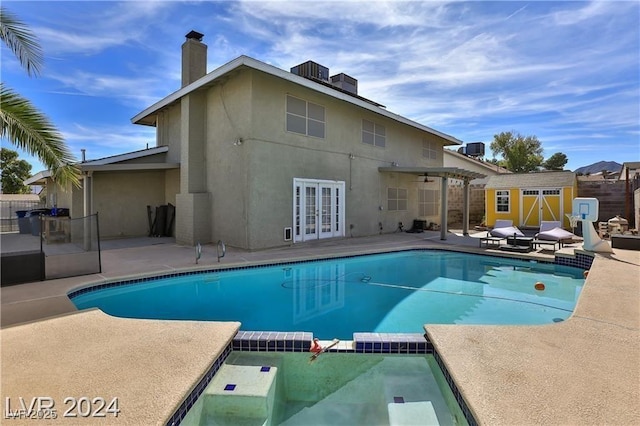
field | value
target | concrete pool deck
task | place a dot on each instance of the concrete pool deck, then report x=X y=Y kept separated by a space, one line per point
x=585 y=370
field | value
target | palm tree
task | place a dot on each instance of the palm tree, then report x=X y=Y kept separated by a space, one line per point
x=20 y=121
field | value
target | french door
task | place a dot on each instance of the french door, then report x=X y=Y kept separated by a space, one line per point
x=318 y=209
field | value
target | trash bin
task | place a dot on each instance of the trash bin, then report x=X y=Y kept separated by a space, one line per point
x=34 y=220
x=24 y=226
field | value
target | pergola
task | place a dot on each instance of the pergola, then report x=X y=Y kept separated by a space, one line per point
x=444 y=173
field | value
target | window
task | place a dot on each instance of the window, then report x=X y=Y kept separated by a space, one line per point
x=428 y=202
x=550 y=192
x=305 y=117
x=373 y=133
x=396 y=199
x=502 y=201
x=429 y=150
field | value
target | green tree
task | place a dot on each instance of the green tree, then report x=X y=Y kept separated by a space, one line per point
x=556 y=162
x=20 y=121
x=521 y=154
x=14 y=172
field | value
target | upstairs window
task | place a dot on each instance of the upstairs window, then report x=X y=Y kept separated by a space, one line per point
x=396 y=199
x=502 y=201
x=305 y=118
x=374 y=134
x=429 y=150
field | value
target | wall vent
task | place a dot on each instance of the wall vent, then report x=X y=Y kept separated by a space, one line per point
x=287 y=233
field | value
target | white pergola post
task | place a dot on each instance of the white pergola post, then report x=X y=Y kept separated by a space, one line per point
x=465 y=208
x=443 y=207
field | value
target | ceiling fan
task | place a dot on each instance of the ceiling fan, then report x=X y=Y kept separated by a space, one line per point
x=425 y=178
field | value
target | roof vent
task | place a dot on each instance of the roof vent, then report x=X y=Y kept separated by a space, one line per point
x=345 y=82
x=194 y=35
x=312 y=71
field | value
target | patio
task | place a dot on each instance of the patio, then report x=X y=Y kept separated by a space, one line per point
x=582 y=371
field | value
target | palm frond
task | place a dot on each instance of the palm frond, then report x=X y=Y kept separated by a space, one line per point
x=28 y=129
x=22 y=42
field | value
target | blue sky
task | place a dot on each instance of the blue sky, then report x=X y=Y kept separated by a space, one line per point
x=567 y=72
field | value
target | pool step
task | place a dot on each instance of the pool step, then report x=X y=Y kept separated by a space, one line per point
x=376 y=394
x=240 y=395
x=411 y=413
x=411 y=392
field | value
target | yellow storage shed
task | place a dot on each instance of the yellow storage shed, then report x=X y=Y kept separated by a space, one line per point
x=529 y=198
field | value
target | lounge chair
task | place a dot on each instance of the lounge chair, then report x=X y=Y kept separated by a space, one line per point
x=551 y=230
x=504 y=229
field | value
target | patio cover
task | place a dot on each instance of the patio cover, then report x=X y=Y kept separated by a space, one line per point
x=444 y=173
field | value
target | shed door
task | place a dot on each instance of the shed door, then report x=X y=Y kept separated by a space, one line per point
x=539 y=205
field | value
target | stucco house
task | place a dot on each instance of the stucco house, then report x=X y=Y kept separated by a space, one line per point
x=260 y=157
x=529 y=198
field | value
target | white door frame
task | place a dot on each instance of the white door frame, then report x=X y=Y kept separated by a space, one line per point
x=318 y=209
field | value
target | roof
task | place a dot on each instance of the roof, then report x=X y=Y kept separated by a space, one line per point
x=126 y=156
x=448 y=172
x=113 y=163
x=117 y=162
x=532 y=180
x=39 y=178
x=631 y=167
x=147 y=117
x=476 y=161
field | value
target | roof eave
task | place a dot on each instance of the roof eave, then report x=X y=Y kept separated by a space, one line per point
x=39 y=178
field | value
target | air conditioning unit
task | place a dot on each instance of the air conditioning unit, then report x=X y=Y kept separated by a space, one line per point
x=312 y=71
x=345 y=82
x=475 y=149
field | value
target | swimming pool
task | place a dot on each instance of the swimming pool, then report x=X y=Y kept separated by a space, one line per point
x=386 y=293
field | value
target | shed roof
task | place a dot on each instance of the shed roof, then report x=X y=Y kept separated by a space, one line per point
x=532 y=180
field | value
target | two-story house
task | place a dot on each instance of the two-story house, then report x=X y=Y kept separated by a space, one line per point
x=260 y=157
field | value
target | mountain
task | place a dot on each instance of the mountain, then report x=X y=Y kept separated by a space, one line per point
x=610 y=166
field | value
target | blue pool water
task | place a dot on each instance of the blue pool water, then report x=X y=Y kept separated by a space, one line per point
x=385 y=293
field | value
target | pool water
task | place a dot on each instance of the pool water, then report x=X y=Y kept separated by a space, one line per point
x=386 y=293
x=335 y=389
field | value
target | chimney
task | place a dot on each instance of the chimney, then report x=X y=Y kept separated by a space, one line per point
x=194 y=58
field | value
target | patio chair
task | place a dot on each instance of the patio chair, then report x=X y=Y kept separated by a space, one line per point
x=552 y=231
x=504 y=229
